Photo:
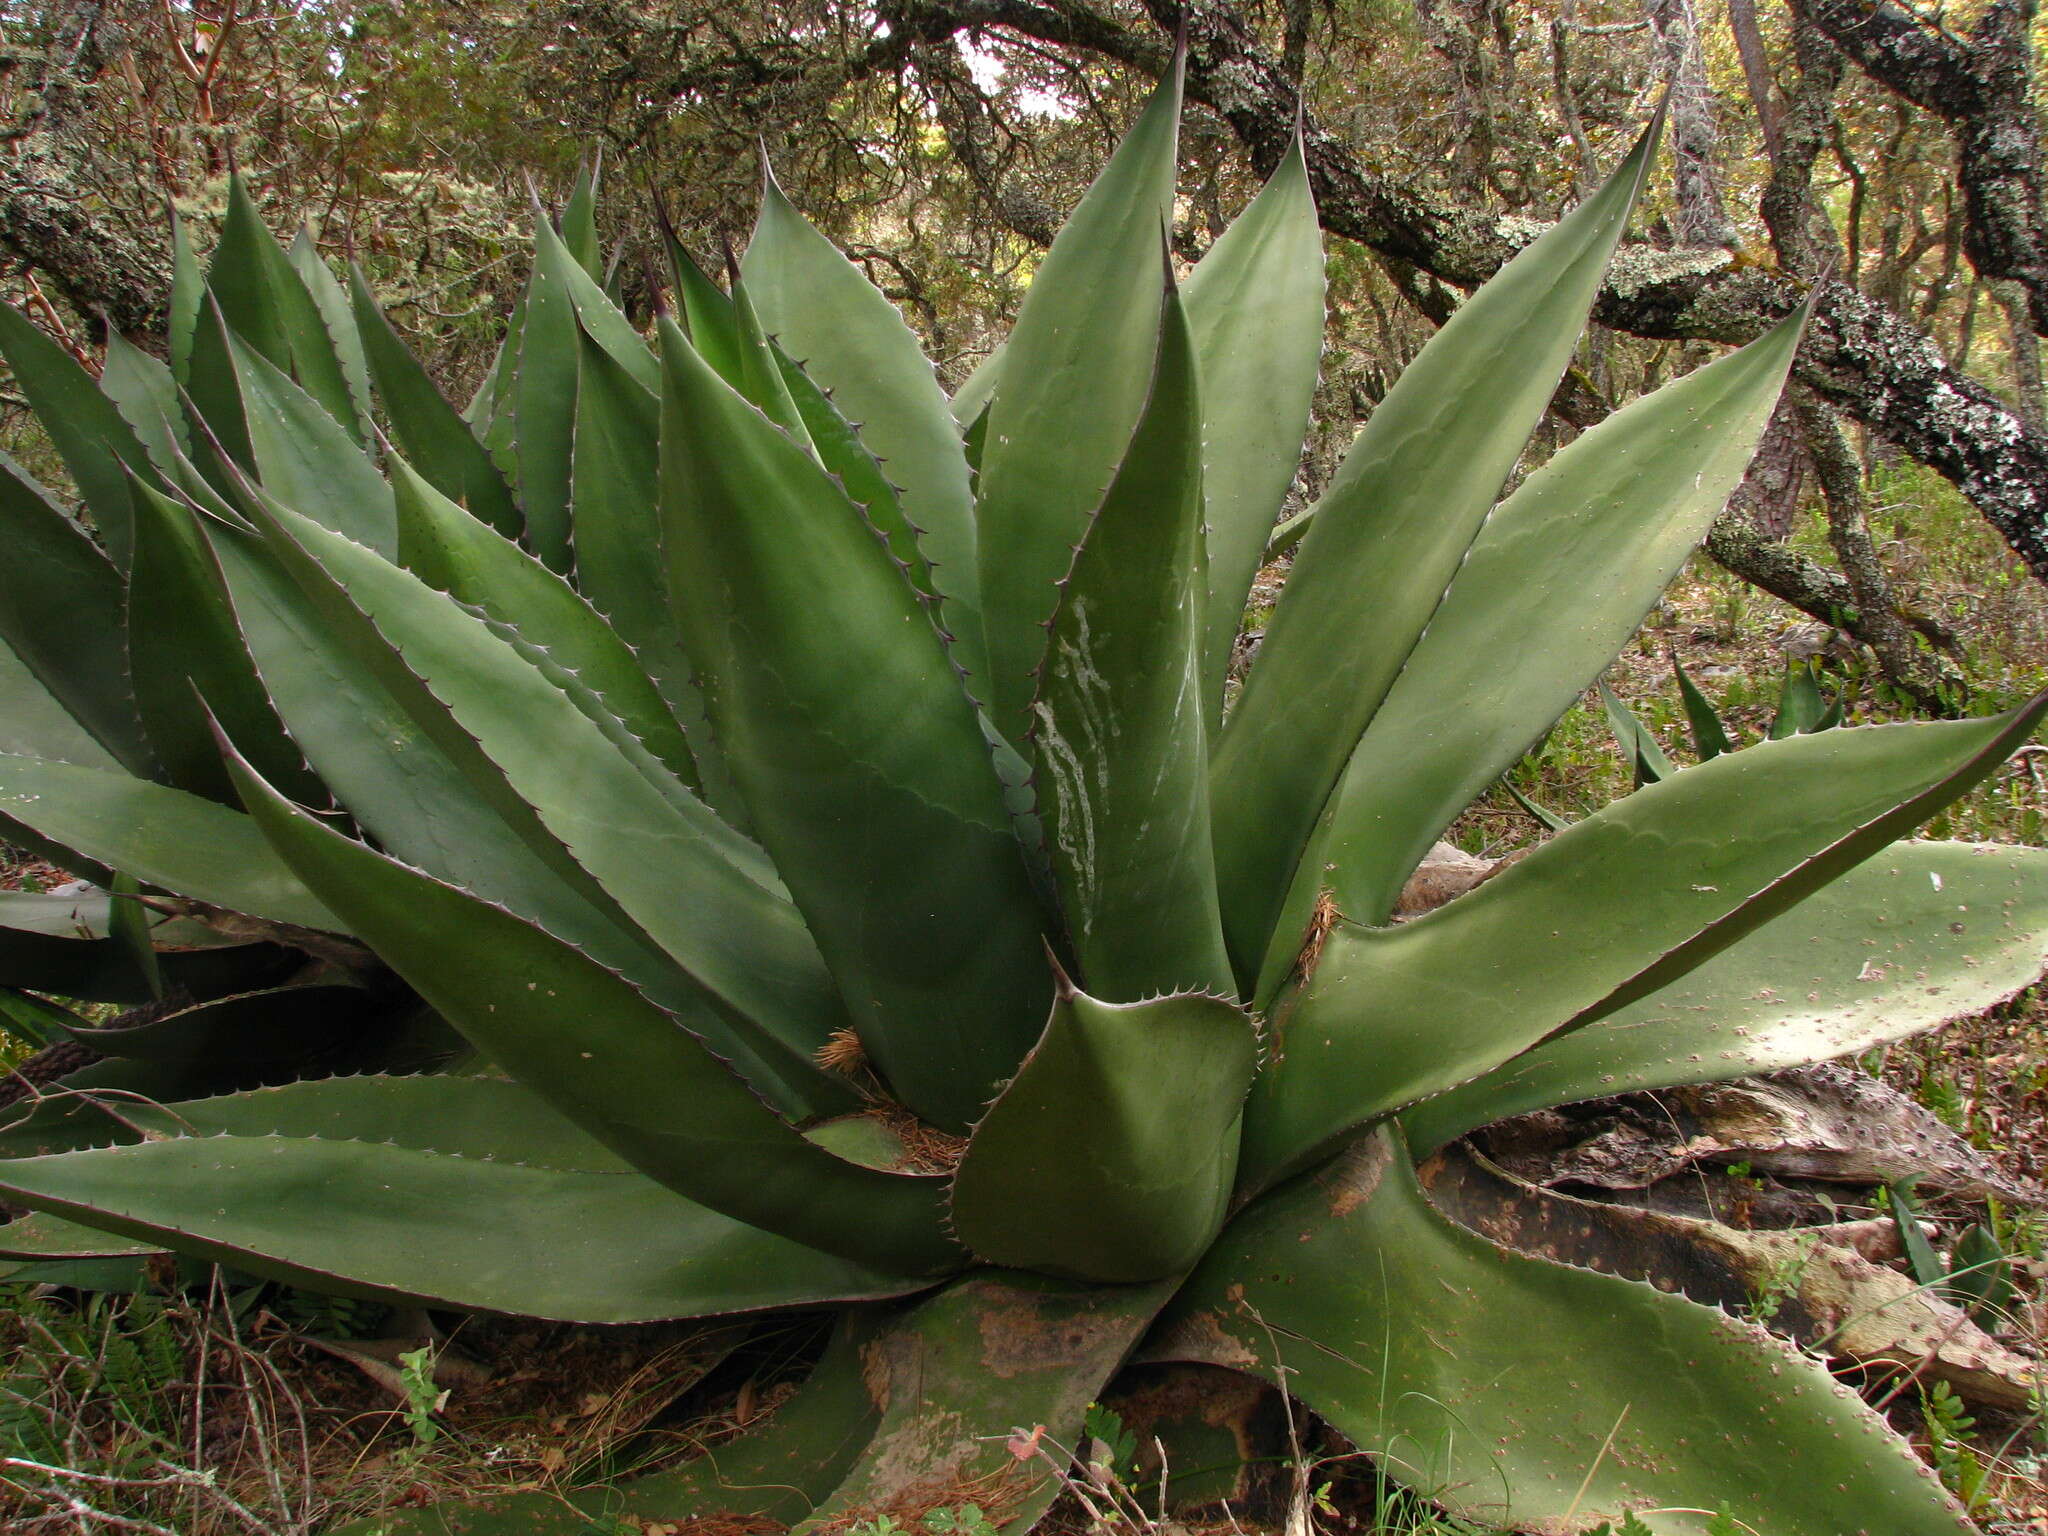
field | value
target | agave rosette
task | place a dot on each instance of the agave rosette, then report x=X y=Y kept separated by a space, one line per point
x=696 y=714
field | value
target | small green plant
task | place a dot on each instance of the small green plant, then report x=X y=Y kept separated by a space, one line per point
x=1116 y=1448
x=959 y=1520
x=424 y=1399
x=1948 y=1425
x=1782 y=1279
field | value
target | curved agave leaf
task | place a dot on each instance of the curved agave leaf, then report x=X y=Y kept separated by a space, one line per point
x=655 y=859
x=1709 y=735
x=1619 y=509
x=431 y=431
x=62 y=614
x=850 y=340
x=605 y=1056
x=1127 y=1112
x=1650 y=762
x=1620 y=905
x=1117 y=740
x=265 y=303
x=864 y=771
x=839 y=448
x=447 y=548
x=1528 y=1394
x=535 y=419
x=338 y=329
x=615 y=482
x=162 y=836
x=34 y=724
x=1255 y=304
x=1387 y=538
x=188 y=297
x=1921 y=934
x=95 y=444
x=304 y=458
x=345 y=1216
x=41 y=1236
x=760 y=380
x=184 y=645
x=146 y=394
x=1092 y=313
x=996 y=1348
x=477 y=1117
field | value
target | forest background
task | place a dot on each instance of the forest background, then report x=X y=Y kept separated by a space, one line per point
x=1888 y=156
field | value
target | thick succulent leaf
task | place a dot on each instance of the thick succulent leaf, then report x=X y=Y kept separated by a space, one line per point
x=1255 y=304
x=145 y=393
x=863 y=767
x=579 y=220
x=1528 y=1394
x=1076 y=372
x=404 y=790
x=598 y=316
x=1118 y=737
x=91 y=1108
x=241 y=277
x=850 y=340
x=186 y=658
x=213 y=396
x=62 y=613
x=266 y=303
x=96 y=445
x=429 y=430
x=708 y=316
x=605 y=1056
x=1125 y=1111
x=1709 y=735
x=654 y=857
x=305 y=459
x=617 y=510
x=1615 y=512
x=447 y=548
x=1645 y=754
x=34 y=724
x=39 y=1236
x=188 y=298
x=1800 y=706
x=164 y=837
x=536 y=420
x=1387 y=539
x=1921 y=934
x=477 y=1117
x=761 y=380
x=1622 y=904
x=994 y=1350
x=839 y=448
x=338 y=327
x=539 y=1242
x=971 y=400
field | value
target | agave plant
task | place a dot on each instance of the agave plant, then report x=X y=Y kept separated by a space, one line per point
x=812 y=801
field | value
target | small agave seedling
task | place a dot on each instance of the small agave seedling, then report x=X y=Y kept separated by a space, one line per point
x=811 y=800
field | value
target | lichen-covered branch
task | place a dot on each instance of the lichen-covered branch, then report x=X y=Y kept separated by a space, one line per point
x=1981 y=84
